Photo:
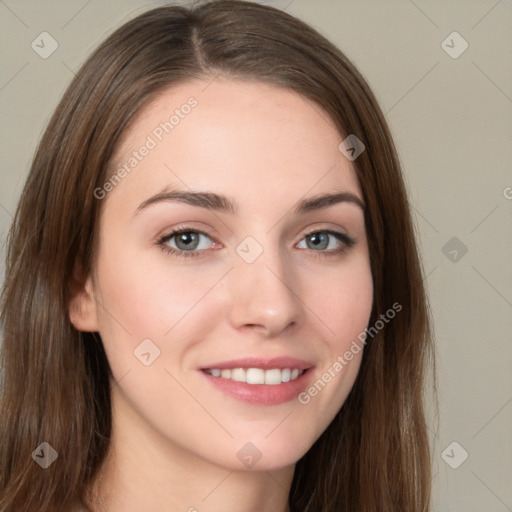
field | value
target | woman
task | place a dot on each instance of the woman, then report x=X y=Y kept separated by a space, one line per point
x=213 y=299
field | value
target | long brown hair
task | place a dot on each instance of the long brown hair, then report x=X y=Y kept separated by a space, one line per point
x=55 y=382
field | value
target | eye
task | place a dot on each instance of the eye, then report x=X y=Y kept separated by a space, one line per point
x=188 y=242
x=185 y=242
x=328 y=242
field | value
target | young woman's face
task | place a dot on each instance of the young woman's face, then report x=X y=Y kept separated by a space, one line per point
x=262 y=284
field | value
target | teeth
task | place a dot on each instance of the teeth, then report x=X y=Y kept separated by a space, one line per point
x=273 y=377
x=286 y=375
x=257 y=375
x=238 y=374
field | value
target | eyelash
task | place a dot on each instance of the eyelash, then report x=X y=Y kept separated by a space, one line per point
x=347 y=243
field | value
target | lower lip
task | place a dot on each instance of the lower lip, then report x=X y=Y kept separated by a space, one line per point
x=263 y=394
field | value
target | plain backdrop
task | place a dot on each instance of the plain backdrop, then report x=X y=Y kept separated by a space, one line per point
x=448 y=100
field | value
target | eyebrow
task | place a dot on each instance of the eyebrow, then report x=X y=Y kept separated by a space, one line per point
x=221 y=203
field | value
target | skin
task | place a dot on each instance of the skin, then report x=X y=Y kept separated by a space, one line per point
x=175 y=436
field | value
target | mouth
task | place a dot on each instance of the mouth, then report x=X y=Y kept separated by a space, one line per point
x=256 y=376
x=260 y=381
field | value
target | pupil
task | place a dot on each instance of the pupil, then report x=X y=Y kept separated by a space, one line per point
x=187 y=239
x=318 y=239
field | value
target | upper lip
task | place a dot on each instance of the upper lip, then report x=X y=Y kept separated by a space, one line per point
x=265 y=364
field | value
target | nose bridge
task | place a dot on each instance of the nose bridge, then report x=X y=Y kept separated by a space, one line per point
x=263 y=294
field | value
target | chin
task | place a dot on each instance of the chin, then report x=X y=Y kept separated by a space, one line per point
x=272 y=455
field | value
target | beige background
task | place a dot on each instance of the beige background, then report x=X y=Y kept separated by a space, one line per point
x=452 y=122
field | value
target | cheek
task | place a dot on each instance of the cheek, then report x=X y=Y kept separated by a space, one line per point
x=342 y=298
x=146 y=299
x=343 y=305
x=351 y=311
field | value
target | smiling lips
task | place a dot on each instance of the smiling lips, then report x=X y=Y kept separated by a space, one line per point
x=260 y=381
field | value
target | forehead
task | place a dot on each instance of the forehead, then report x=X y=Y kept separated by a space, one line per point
x=246 y=139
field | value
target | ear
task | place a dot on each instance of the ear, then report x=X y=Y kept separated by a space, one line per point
x=82 y=307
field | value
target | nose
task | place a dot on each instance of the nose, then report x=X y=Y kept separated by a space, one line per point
x=265 y=296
